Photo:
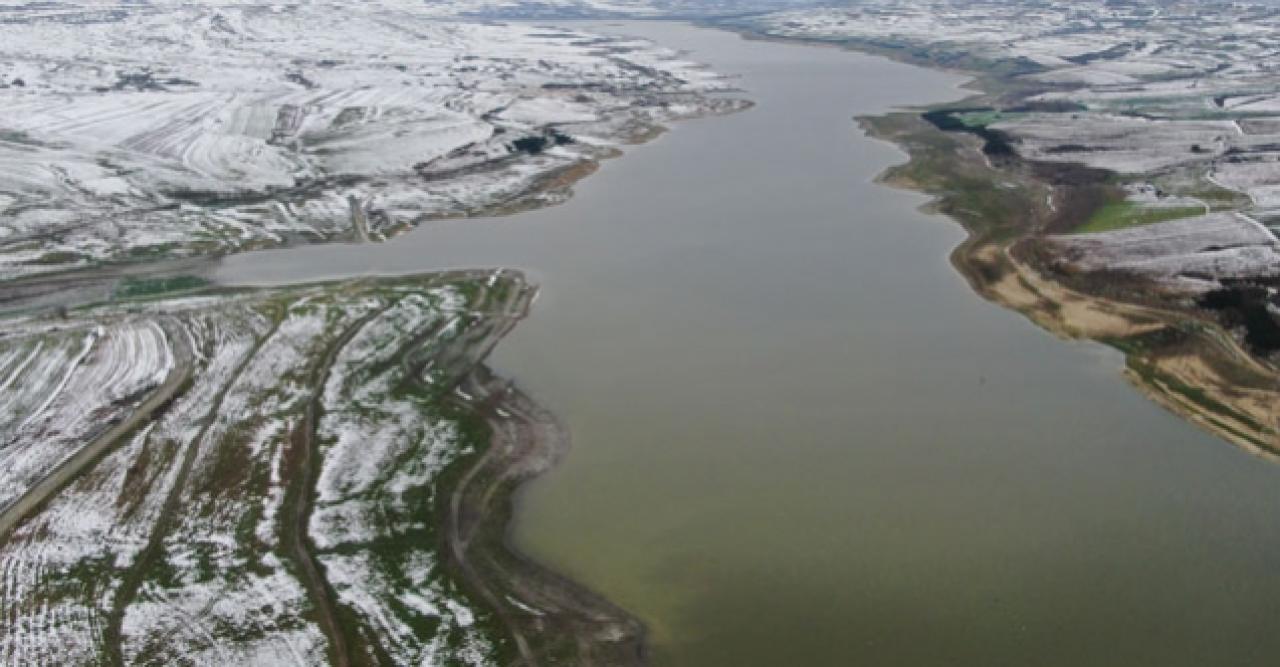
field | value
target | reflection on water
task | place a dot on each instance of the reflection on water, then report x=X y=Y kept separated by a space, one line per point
x=800 y=439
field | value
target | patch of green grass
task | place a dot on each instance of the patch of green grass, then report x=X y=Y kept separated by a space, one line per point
x=1122 y=214
x=144 y=287
x=1219 y=198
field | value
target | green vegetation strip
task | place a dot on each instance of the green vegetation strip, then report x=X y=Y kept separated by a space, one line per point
x=1124 y=214
x=131 y=288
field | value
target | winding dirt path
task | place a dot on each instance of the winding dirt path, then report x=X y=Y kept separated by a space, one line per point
x=302 y=471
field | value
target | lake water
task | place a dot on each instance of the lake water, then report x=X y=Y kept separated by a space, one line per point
x=799 y=439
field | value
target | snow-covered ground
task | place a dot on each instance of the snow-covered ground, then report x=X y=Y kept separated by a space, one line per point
x=130 y=130
x=173 y=547
x=381 y=459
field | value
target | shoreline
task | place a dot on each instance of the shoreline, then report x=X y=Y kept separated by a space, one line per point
x=548 y=617
x=34 y=293
x=531 y=614
x=597 y=632
x=1185 y=361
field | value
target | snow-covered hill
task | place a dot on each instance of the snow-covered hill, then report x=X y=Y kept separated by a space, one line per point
x=131 y=131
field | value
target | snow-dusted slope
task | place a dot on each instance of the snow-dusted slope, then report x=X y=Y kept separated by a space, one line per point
x=134 y=130
x=1191 y=254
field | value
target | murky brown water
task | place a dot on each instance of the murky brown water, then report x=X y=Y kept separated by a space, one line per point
x=801 y=440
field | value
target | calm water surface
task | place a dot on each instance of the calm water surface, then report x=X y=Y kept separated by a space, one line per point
x=799 y=439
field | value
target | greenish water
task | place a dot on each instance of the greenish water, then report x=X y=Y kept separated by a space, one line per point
x=799 y=439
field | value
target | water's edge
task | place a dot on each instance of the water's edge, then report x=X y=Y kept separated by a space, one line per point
x=1225 y=389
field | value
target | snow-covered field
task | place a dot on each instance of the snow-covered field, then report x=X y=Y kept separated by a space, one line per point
x=132 y=130
x=175 y=547
x=59 y=385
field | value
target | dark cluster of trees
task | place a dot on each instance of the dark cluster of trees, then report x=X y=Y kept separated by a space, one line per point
x=535 y=144
x=1244 y=305
x=995 y=142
